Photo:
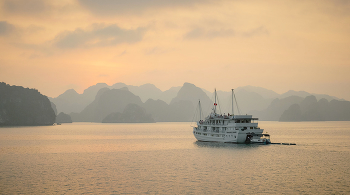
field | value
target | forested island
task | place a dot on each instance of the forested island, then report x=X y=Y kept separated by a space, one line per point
x=21 y=106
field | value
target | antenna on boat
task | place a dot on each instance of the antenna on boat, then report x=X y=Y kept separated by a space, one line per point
x=232 y=103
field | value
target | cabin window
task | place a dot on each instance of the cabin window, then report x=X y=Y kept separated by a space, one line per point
x=251 y=127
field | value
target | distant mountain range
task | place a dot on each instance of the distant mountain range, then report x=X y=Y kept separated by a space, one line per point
x=276 y=108
x=71 y=101
x=106 y=102
x=146 y=103
x=109 y=101
x=309 y=109
x=177 y=103
x=132 y=113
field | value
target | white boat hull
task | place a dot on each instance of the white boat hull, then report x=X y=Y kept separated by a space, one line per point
x=223 y=137
x=203 y=138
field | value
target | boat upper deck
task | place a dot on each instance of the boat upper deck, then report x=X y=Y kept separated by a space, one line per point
x=244 y=117
x=231 y=117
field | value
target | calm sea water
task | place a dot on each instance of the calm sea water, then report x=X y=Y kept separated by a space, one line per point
x=165 y=158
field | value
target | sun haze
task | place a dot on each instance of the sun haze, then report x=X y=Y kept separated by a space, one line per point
x=279 y=45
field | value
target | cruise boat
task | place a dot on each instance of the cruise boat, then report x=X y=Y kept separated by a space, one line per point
x=228 y=128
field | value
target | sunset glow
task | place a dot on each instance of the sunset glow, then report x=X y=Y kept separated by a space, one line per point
x=279 y=45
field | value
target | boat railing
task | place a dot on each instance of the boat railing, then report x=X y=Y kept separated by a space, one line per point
x=211 y=130
x=246 y=124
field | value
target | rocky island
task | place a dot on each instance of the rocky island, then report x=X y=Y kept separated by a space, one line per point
x=21 y=106
x=63 y=118
x=132 y=113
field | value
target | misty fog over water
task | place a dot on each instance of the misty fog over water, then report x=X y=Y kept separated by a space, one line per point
x=165 y=158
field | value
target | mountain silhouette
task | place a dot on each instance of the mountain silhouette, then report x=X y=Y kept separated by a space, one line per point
x=191 y=93
x=274 y=111
x=106 y=102
x=305 y=94
x=132 y=113
x=160 y=110
x=21 y=106
x=312 y=110
x=112 y=102
x=70 y=101
x=146 y=91
x=264 y=103
x=63 y=118
x=169 y=94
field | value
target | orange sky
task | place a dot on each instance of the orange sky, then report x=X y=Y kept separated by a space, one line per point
x=279 y=45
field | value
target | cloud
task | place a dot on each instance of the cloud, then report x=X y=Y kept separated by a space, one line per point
x=156 y=51
x=5 y=28
x=114 y=7
x=256 y=31
x=18 y=32
x=25 y=6
x=123 y=53
x=99 y=35
x=33 y=56
x=202 y=33
x=198 y=33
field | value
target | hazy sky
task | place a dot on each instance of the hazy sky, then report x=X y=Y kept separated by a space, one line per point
x=279 y=45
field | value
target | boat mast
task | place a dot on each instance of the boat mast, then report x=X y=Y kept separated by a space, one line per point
x=200 y=110
x=215 y=103
x=232 y=102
